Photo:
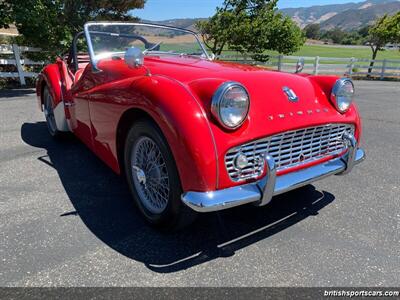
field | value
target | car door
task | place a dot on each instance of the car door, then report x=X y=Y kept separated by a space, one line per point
x=76 y=104
x=77 y=93
x=79 y=111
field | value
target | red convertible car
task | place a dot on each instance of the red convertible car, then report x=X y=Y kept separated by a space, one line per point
x=193 y=134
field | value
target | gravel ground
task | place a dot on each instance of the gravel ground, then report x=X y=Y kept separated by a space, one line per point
x=67 y=220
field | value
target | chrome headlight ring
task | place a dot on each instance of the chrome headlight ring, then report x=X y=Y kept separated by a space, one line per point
x=230 y=105
x=342 y=94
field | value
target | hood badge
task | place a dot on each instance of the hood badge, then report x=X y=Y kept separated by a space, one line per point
x=290 y=94
x=299 y=113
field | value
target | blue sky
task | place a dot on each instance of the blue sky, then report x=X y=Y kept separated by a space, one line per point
x=157 y=10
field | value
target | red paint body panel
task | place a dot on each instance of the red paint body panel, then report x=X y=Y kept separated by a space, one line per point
x=172 y=107
x=50 y=76
x=177 y=97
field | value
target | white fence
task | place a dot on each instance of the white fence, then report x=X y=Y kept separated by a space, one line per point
x=314 y=65
x=17 y=60
x=326 y=65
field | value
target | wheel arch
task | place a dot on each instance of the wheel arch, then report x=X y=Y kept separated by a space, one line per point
x=128 y=118
x=50 y=77
x=183 y=123
x=39 y=92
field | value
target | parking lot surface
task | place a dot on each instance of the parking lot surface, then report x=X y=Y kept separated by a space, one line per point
x=68 y=220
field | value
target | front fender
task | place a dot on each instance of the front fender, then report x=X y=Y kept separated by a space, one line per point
x=185 y=125
x=325 y=83
x=176 y=111
x=51 y=77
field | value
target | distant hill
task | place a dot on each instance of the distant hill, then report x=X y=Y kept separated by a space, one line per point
x=346 y=16
x=356 y=18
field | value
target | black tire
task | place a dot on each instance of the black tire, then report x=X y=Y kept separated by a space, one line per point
x=175 y=215
x=49 y=113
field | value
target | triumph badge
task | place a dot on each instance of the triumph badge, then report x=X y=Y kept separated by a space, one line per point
x=290 y=94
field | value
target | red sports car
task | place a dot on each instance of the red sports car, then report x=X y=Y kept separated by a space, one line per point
x=193 y=134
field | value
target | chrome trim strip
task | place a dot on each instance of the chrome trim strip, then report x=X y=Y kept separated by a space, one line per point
x=262 y=190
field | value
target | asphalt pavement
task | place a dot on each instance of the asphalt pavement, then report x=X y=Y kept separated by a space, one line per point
x=68 y=220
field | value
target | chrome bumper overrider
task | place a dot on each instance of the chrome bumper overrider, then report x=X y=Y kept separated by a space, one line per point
x=261 y=192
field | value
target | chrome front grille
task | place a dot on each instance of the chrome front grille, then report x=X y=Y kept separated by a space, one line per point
x=289 y=149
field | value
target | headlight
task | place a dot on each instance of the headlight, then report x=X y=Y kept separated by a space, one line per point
x=230 y=105
x=342 y=94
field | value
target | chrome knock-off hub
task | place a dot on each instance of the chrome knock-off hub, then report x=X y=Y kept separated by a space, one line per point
x=140 y=175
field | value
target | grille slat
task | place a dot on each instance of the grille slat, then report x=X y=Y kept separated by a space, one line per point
x=289 y=149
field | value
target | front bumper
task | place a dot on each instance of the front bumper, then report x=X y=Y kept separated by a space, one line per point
x=261 y=192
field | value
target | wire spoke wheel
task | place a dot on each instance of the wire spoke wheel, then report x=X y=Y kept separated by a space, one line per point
x=150 y=175
x=153 y=178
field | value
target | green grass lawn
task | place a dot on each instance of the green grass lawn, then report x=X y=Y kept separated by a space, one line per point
x=329 y=51
x=306 y=50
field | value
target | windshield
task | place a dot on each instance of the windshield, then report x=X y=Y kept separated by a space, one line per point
x=112 y=39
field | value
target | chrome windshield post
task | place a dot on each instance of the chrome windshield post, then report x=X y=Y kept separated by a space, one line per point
x=267 y=184
x=349 y=159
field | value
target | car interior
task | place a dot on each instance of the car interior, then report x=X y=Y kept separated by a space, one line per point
x=75 y=61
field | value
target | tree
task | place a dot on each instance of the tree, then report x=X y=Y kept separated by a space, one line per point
x=52 y=24
x=351 y=38
x=5 y=14
x=363 y=31
x=385 y=30
x=336 y=35
x=250 y=26
x=312 y=31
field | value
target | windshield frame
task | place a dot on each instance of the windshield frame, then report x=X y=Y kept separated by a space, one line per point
x=95 y=58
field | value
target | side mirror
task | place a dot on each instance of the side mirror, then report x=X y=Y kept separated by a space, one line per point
x=134 y=57
x=300 y=65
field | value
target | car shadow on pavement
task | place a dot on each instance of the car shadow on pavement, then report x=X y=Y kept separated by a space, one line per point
x=12 y=93
x=102 y=200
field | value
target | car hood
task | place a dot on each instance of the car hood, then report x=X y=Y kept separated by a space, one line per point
x=191 y=68
x=269 y=105
x=270 y=112
x=265 y=86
